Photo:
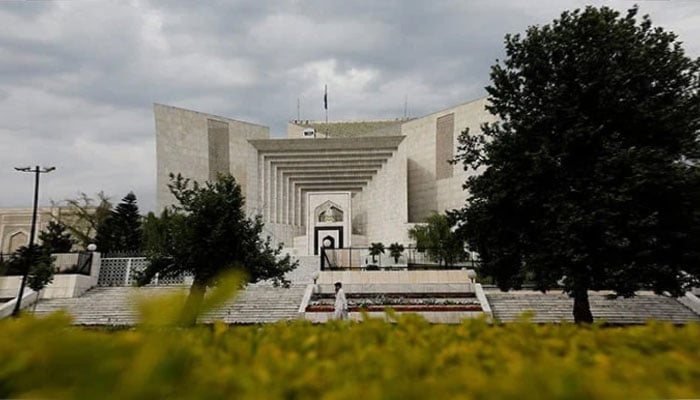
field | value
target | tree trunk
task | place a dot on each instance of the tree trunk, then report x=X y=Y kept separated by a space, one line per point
x=582 y=309
x=38 y=297
x=193 y=303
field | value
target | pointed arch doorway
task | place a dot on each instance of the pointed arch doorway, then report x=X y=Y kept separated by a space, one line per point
x=330 y=237
x=328 y=220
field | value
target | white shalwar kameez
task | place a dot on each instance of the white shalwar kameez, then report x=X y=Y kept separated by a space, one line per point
x=341 y=305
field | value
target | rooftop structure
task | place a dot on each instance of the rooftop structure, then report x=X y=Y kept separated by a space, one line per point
x=341 y=129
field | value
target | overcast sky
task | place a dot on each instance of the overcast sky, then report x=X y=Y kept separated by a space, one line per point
x=78 y=78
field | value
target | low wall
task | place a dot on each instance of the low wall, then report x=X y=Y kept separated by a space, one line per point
x=9 y=285
x=435 y=317
x=29 y=298
x=65 y=261
x=432 y=316
x=465 y=287
x=67 y=286
x=403 y=277
x=62 y=286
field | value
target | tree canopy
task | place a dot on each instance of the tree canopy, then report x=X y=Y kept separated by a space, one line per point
x=591 y=173
x=208 y=234
x=121 y=230
x=376 y=249
x=56 y=239
x=85 y=216
x=395 y=250
x=36 y=261
x=437 y=238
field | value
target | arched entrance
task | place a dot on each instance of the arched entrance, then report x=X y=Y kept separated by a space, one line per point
x=328 y=234
x=329 y=216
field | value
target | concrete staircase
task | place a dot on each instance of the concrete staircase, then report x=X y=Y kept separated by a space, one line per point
x=258 y=303
x=557 y=307
x=114 y=306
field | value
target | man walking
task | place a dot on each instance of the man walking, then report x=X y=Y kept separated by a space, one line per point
x=341 y=303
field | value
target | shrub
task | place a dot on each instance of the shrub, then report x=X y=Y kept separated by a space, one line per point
x=411 y=359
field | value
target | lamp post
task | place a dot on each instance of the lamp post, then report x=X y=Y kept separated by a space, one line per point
x=37 y=171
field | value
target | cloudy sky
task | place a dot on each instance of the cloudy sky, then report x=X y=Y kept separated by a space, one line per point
x=78 y=78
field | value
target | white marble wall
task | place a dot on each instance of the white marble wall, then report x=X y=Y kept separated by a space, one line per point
x=427 y=194
x=385 y=203
x=182 y=146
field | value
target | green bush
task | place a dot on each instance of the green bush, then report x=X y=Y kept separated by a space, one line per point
x=411 y=359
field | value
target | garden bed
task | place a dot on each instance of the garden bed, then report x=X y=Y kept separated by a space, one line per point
x=399 y=302
x=400 y=308
x=399 y=295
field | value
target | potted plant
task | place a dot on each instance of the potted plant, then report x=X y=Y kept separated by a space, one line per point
x=395 y=251
x=375 y=249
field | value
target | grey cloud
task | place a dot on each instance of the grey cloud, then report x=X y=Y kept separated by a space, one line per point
x=27 y=9
x=77 y=79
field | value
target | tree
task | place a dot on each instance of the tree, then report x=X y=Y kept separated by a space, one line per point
x=375 y=249
x=41 y=272
x=55 y=238
x=208 y=234
x=156 y=231
x=4 y=265
x=85 y=217
x=395 y=250
x=591 y=172
x=438 y=239
x=121 y=230
x=35 y=259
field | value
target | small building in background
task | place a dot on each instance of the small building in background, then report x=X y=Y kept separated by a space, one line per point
x=16 y=224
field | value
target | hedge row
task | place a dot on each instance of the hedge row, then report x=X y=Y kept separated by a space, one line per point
x=411 y=359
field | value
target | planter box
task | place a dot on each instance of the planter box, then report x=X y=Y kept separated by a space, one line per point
x=402 y=308
x=400 y=295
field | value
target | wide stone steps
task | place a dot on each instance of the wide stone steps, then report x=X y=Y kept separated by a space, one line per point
x=116 y=305
x=557 y=307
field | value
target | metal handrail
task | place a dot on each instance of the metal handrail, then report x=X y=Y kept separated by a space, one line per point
x=411 y=258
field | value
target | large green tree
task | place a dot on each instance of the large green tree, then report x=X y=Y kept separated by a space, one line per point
x=208 y=234
x=591 y=172
x=121 y=230
x=36 y=261
x=56 y=238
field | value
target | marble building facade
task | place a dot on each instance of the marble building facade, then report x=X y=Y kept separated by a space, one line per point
x=352 y=183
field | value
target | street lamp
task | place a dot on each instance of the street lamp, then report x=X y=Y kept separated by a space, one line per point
x=37 y=171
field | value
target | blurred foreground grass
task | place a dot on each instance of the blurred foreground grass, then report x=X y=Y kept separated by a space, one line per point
x=48 y=358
